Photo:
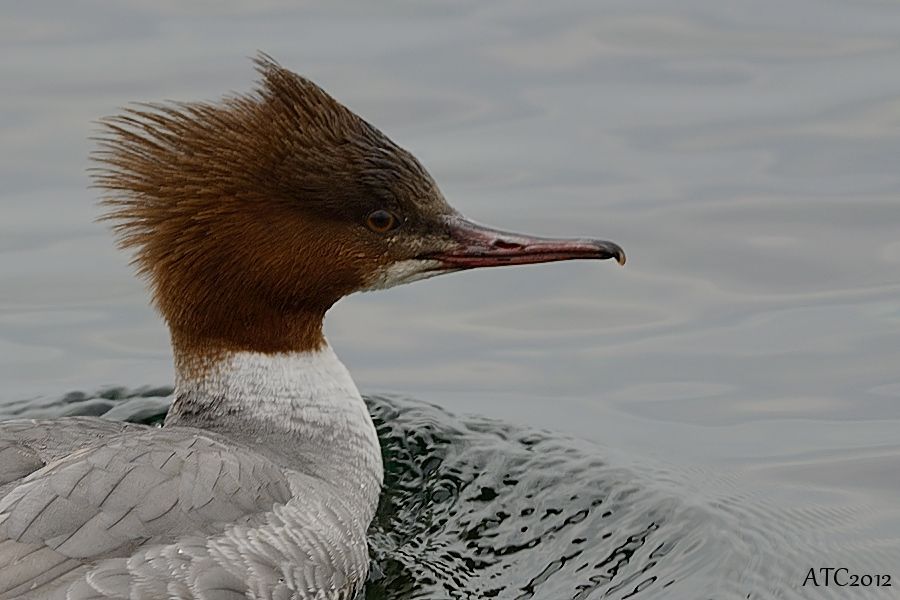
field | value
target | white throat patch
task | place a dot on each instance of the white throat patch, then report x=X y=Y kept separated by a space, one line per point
x=304 y=406
x=404 y=271
x=278 y=384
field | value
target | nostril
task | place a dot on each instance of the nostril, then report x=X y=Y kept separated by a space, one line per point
x=505 y=245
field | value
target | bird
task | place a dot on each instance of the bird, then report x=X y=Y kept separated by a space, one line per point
x=248 y=218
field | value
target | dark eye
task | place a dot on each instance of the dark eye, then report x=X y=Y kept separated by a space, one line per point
x=382 y=221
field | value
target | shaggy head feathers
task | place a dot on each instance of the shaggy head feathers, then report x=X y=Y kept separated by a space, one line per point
x=247 y=216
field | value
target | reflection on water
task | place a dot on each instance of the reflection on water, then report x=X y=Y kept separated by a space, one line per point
x=744 y=154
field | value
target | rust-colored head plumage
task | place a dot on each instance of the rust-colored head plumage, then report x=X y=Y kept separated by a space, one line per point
x=249 y=216
x=252 y=216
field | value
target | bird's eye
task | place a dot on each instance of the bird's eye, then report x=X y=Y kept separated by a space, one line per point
x=382 y=221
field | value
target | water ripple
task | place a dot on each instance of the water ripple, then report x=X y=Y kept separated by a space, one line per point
x=475 y=508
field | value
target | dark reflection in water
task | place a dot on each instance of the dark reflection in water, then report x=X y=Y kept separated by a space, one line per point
x=474 y=508
x=478 y=509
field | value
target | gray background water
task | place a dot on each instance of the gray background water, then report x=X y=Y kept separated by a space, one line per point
x=745 y=154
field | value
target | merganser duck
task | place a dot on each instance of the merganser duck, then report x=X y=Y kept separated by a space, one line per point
x=249 y=218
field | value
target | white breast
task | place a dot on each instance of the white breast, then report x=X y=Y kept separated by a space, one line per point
x=301 y=407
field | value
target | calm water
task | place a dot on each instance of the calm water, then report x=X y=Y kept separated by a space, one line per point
x=725 y=410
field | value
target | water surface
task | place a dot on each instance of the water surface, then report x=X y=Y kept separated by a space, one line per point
x=740 y=373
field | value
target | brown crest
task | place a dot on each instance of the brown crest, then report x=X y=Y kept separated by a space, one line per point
x=247 y=216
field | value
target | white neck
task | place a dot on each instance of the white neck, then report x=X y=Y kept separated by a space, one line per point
x=300 y=408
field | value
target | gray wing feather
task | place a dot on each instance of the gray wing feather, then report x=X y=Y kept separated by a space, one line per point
x=109 y=511
x=17 y=461
x=99 y=504
x=52 y=439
